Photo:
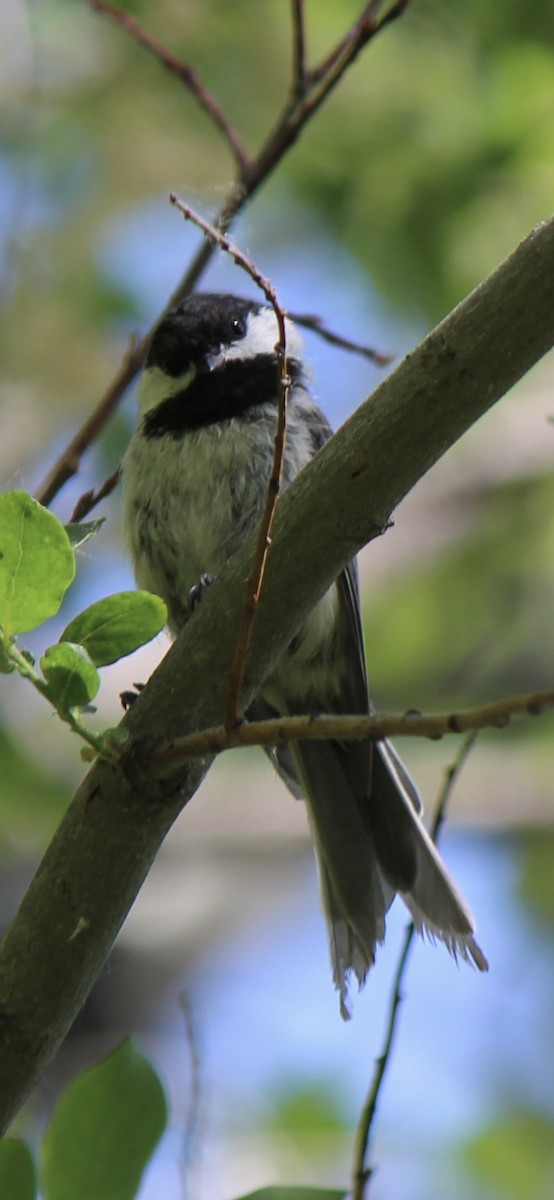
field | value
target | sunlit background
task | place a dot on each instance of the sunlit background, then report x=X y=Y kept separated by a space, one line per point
x=428 y=165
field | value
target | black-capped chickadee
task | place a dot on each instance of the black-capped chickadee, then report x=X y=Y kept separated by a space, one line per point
x=195 y=479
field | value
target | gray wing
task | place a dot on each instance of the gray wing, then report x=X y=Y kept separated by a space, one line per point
x=364 y=814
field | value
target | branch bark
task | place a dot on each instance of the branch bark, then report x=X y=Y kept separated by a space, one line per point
x=97 y=861
x=377 y=726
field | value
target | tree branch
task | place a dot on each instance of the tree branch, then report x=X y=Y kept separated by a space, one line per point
x=377 y=726
x=104 y=847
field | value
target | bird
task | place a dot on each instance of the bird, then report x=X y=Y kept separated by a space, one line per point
x=195 y=477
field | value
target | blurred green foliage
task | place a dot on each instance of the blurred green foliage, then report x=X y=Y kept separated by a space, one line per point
x=304 y=1115
x=514 y=1158
x=32 y=798
x=17 y=1171
x=104 y=1129
x=537 y=878
x=431 y=159
x=474 y=623
x=100 y=1137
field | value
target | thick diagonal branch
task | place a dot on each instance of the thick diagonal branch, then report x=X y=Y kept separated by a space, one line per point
x=97 y=861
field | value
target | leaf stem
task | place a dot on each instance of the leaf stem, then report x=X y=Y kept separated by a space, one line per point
x=101 y=745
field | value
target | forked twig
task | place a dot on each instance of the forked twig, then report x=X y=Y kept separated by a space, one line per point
x=361 y=1171
x=368 y=24
x=183 y=71
x=89 y=500
x=255 y=583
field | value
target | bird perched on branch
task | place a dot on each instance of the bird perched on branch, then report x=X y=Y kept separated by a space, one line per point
x=196 y=476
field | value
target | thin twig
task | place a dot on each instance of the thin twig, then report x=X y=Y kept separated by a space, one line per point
x=365 y=21
x=89 y=500
x=377 y=727
x=299 y=75
x=256 y=171
x=69 y=461
x=255 y=583
x=361 y=1173
x=322 y=81
x=361 y=1170
x=193 y=1122
x=315 y=323
x=365 y=28
x=183 y=71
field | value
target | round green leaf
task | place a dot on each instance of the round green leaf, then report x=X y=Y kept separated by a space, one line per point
x=71 y=676
x=17 y=1171
x=117 y=625
x=37 y=563
x=104 y=1130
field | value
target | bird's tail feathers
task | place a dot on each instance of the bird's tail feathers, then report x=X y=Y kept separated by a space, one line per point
x=436 y=906
x=370 y=843
x=354 y=894
x=348 y=953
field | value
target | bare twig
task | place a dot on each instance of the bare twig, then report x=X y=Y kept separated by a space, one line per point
x=69 y=461
x=183 y=71
x=377 y=726
x=315 y=323
x=255 y=582
x=299 y=75
x=354 y=40
x=251 y=175
x=361 y=1170
x=191 y=1139
x=89 y=500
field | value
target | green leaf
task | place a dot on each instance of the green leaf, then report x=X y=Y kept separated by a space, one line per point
x=104 y=1130
x=37 y=563
x=294 y=1193
x=17 y=1171
x=117 y=625
x=70 y=674
x=515 y=1156
x=79 y=532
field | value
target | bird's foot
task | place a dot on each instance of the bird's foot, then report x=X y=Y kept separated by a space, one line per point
x=128 y=698
x=197 y=591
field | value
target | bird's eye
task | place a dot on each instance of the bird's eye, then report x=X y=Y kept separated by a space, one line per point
x=238 y=327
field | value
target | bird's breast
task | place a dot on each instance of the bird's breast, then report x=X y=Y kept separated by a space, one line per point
x=188 y=505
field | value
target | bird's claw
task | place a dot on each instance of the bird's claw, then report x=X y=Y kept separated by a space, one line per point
x=196 y=592
x=128 y=698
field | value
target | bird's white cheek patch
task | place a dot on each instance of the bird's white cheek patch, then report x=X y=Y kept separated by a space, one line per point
x=261 y=337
